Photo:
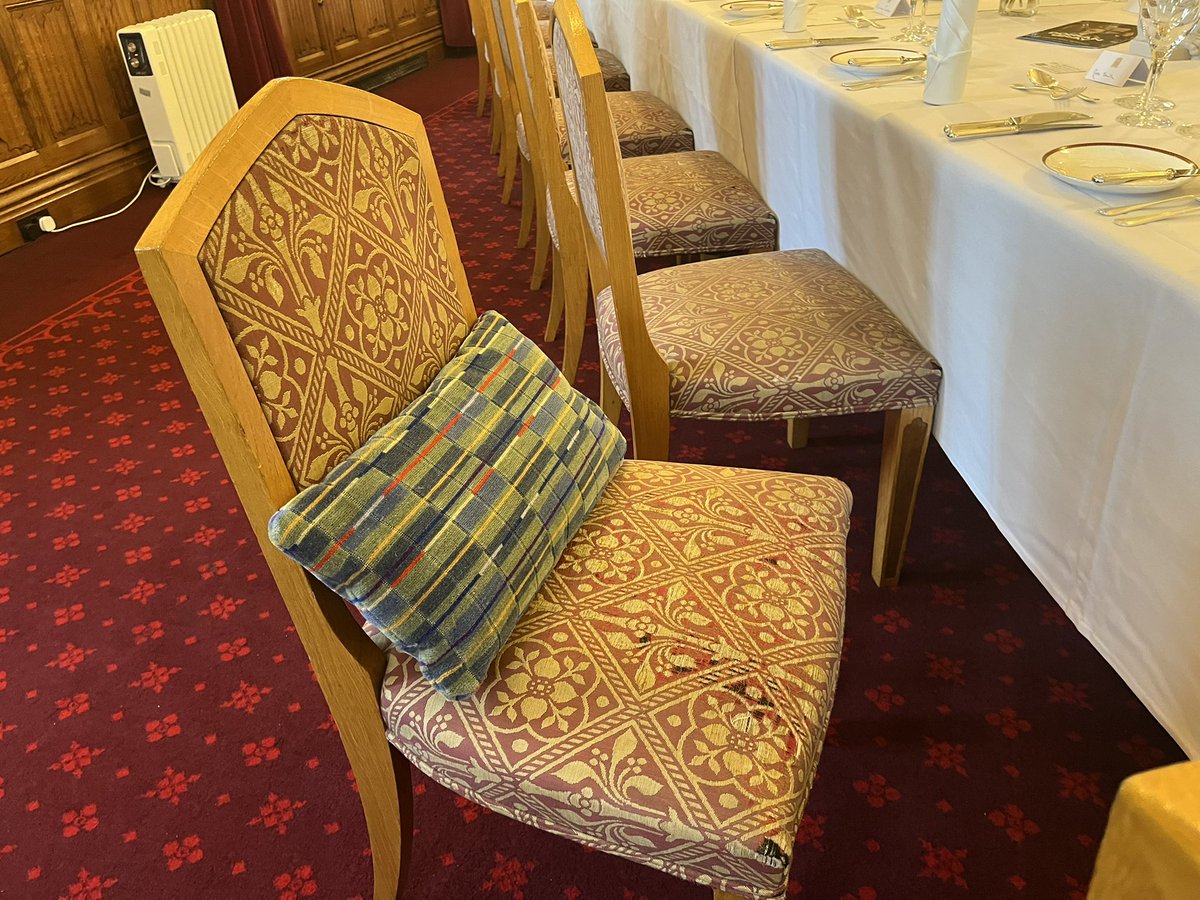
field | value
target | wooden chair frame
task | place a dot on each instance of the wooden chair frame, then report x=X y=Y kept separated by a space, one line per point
x=504 y=111
x=611 y=261
x=349 y=667
x=481 y=55
x=532 y=191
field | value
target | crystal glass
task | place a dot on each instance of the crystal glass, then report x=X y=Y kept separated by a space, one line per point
x=916 y=30
x=1164 y=23
x=1021 y=9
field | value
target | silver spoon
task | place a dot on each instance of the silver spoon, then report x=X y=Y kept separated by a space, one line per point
x=1042 y=78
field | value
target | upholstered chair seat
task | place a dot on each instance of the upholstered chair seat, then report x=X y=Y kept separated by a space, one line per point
x=773 y=336
x=692 y=203
x=645 y=125
x=544 y=9
x=666 y=695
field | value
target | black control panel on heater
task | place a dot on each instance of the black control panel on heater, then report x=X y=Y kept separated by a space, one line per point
x=134 y=49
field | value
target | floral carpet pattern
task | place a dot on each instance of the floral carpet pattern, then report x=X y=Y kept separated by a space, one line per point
x=161 y=735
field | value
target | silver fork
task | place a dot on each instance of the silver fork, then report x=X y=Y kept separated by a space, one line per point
x=858 y=18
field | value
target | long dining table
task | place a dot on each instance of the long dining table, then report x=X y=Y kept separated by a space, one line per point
x=1071 y=346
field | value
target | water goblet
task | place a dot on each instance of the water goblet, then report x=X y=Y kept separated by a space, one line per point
x=915 y=30
x=1165 y=23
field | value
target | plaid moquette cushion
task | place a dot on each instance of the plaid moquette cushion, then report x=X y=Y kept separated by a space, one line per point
x=443 y=526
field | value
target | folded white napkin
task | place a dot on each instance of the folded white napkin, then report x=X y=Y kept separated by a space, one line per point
x=946 y=72
x=795 y=14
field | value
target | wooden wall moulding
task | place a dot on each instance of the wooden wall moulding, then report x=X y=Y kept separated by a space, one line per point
x=344 y=40
x=71 y=139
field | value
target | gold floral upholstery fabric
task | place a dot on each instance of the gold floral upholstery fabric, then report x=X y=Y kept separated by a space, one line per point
x=336 y=285
x=691 y=203
x=644 y=124
x=613 y=70
x=772 y=336
x=665 y=697
x=695 y=203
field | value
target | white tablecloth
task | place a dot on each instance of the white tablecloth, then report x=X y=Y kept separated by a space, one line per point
x=1071 y=347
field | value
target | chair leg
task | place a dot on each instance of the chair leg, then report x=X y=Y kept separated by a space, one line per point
x=554 y=317
x=529 y=200
x=797 y=433
x=495 y=129
x=542 y=251
x=610 y=400
x=905 y=439
x=575 y=296
x=484 y=79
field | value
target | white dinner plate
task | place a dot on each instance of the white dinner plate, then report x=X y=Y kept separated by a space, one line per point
x=746 y=8
x=1077 y=163
x=878 y=60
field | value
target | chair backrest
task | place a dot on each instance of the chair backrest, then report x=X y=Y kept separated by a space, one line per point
x=478 y=28
x=600 y=183
x=537 y=91
x=307 y=273
x=498 y=55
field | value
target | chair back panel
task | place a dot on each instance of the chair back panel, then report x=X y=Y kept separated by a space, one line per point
x=542 y=128
x=336 y=284
x=592 y=138
x=502 y=34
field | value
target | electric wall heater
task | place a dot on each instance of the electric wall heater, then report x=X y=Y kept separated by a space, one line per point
x=180 y=78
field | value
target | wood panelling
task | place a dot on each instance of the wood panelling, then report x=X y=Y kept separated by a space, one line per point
x=54 y=71
x=98 y=24
x=298 y=22
x=71 y=138
x=343 y=40
x=15 y=137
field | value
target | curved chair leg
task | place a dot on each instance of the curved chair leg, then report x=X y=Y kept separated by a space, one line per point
x=575 y=306
x=905 y=439
x=797 y=433
x=554 y=317
x=495 y=129
x=529 y=197
x=484 y=79
x=541 y=252
x=610 y=400
x=404 y=794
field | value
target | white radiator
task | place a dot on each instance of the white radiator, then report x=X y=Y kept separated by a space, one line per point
x=180 y=78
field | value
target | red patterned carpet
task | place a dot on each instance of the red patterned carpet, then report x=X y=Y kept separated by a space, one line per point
x=160 y=734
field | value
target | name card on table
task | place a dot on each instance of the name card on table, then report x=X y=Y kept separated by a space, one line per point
x=1117 y=68
x=891 y=8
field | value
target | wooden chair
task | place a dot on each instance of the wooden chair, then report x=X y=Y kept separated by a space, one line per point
x=681 y=204
x=307 y=273
x=783 y=336
x=481 y=56
x=645 y=126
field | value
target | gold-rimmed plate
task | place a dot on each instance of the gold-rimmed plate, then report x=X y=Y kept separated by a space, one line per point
x=1075 y=164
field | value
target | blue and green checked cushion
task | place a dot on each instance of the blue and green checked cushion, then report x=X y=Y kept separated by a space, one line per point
x=443 y=526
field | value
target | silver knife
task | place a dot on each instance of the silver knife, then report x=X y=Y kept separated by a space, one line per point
x=1044 y=121
x=795 y=43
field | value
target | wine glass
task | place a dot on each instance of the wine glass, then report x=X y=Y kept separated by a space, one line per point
x=1165 y=23
x=915 y=30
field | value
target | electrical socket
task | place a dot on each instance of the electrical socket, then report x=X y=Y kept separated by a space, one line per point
x=29 y=227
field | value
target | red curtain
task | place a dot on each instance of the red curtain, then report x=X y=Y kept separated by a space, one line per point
x=456 y=23
x=253 y=44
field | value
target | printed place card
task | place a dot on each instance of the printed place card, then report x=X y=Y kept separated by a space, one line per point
x=1117 y=68
x=892 y=8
